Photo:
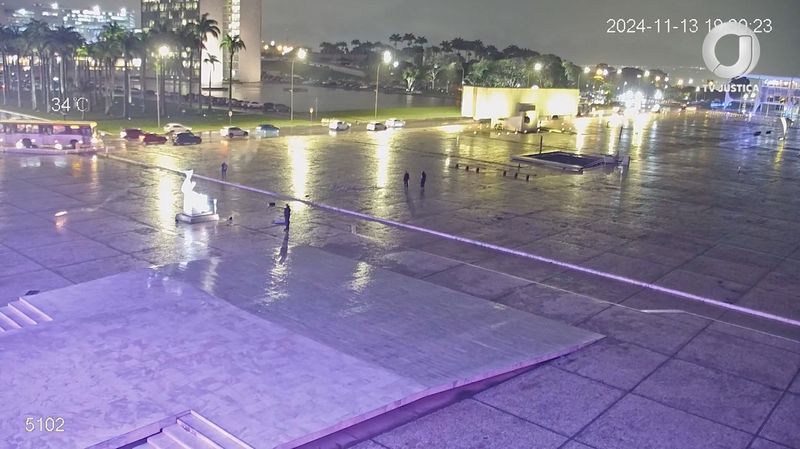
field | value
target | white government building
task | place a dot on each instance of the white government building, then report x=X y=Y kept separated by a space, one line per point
x=242 y=17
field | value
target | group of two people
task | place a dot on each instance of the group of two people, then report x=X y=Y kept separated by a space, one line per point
x=422 y=179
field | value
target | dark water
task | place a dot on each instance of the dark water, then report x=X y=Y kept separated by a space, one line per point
x=329 y=99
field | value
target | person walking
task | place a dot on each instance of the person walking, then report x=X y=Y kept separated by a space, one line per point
x=224 y=169
x=287 y=215
x=406 y=177
x=422 y=180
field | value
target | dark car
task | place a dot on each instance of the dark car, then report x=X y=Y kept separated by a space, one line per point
x=267 y=130
x=131 y=134
x=186 y=139
x=153 y=139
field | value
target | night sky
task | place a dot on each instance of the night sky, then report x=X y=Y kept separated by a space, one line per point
x=574 y=29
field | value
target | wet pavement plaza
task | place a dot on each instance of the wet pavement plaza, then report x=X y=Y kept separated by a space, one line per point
x=706 y=208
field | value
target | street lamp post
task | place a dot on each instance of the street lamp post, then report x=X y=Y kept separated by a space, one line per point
x=538 y=68
x=163 y=51
x=387 y=58
x=301 y=54
x=586 y=70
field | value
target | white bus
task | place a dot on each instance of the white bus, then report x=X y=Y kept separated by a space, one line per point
x=43 y=134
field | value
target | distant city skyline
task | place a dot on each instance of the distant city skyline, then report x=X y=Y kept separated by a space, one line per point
x=575 y=31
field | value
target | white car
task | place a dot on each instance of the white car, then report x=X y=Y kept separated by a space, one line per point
x=375 y=126
x=233 y=131
x=395 y=123
x=176 y=128
x=338 y=125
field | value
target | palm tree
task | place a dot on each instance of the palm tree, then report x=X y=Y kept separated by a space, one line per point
x=446 y=46
x=117 y=44
x=5 y=48
x=36 y=39
x=17 y=46
x=458 y=44
x=141 y=48
x=408 y=38
x=395 y=39
x=66 y=42
x=231 y=44
x=203 y=28
x=212 y=60
x=420 y=40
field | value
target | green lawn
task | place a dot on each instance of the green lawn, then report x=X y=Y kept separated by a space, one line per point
x=219 y=119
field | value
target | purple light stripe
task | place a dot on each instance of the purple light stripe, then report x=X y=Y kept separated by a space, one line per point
x=571 y=266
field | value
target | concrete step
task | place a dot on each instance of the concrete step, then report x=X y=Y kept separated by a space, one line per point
x=18 y=317
x=163 y=441
x=145 y=446
x=186 y=439
x=7 y=324
x=210 y=433
x=30 y=310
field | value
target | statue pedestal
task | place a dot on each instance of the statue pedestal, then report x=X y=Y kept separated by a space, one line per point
x=196 y=218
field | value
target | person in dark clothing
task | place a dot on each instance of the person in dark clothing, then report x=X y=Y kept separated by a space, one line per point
x=406 y=177
x=422 y=180
x=224 y=169
x=287 y=214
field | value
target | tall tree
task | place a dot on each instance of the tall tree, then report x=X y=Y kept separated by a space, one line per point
x=232 y=44
x=117 y=45
x=409 y=38
x=5 y=49
x=205 y=27
x=211 y=60
x=37 y=40
x=395 y=39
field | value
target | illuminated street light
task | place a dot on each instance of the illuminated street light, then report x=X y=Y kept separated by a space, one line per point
x=691 y=81
x=619 y=71
x=586 y=71
x=646 y=73
x=387 y=59
x=537 y=67
x=301 y=54
x=658 y=78
x=163 y=52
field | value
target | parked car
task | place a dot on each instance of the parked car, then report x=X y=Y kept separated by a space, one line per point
x=395 y=123
x=233 y=131
x=153 y=139
x=186 y=138
x=338 y=125
x=376 y=126
x=131 y=134
x=267 y=130
x=176 y=128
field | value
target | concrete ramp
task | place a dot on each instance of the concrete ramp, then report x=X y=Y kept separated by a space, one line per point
x=277 y=351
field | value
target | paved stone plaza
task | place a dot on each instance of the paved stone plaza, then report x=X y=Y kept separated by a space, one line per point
x=706 y=208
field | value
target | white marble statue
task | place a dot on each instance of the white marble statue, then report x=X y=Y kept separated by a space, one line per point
x=194 y=203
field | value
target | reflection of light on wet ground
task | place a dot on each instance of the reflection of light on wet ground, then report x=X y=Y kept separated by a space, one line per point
x=362 y=276
x=581 y=125
x=453 y=129
x=298 y=160
x=165 y=198
x=779 y=154
x=382 y=140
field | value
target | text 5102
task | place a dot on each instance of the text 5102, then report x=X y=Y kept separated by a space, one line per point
x=44 y=424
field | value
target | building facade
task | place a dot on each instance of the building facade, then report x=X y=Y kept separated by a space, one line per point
x=235 y=17
x=777 y=95
x=90 y=22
